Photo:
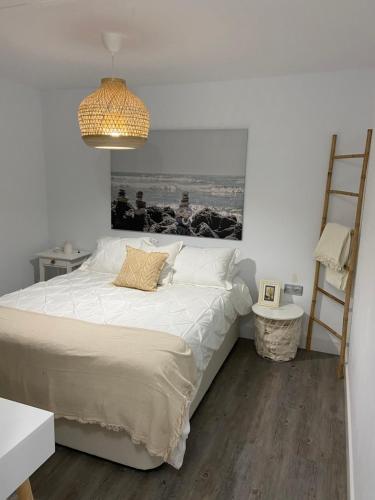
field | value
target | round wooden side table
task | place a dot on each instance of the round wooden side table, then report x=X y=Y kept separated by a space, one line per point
x=277 y=331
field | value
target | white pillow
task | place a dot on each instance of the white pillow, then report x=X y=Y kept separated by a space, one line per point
x=110 y=254
x=173 y=250
x=205 y=266
x=102 y=242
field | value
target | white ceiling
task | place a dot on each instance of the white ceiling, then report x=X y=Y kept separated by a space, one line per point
x=57 y=43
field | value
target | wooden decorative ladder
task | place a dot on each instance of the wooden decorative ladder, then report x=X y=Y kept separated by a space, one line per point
x=353 y=254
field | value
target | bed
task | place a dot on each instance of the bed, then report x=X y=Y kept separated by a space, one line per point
x=206 y=318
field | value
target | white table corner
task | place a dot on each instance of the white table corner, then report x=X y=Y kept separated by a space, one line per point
x=27 y=440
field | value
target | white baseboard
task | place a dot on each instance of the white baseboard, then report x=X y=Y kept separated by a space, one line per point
x=349 y=438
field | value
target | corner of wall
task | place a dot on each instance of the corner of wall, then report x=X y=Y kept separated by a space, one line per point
x=349 y=439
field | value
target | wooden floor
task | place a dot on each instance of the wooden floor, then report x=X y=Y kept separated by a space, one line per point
x=264 y=431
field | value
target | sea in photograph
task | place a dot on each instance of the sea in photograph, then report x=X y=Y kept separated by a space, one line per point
x=224 y=194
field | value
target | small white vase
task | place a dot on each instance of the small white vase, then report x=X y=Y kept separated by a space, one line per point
x=68 y=248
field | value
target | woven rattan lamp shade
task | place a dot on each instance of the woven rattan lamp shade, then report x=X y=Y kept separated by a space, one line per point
x=112 y=117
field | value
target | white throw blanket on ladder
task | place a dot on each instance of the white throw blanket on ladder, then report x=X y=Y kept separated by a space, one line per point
x=333 y=252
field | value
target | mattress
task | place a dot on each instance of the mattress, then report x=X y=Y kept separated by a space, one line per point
x=199 y=315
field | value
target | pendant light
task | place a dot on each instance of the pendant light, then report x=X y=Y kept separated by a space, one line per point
x=113 y=117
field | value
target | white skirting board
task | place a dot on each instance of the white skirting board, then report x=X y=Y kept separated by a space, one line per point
x=349 y=438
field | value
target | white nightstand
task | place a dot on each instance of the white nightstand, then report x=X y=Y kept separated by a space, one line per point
x=60 y=260
x=277 y=331
x=27 y=440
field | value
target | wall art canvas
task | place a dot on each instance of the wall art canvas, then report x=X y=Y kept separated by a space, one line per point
x=183 y=182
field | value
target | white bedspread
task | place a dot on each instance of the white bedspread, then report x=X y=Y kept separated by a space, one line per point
x=200 y=315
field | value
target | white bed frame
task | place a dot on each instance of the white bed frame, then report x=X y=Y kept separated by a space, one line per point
x=117 y=446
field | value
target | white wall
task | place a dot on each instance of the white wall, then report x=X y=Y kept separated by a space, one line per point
x=290 y=121
x=23 y=207
x=361 y=368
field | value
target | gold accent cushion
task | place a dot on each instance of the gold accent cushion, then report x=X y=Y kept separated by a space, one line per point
x=141 y=269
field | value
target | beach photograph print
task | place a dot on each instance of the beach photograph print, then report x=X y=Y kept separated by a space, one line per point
x=182 y=182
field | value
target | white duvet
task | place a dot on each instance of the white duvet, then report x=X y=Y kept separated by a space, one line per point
x=200 y=315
